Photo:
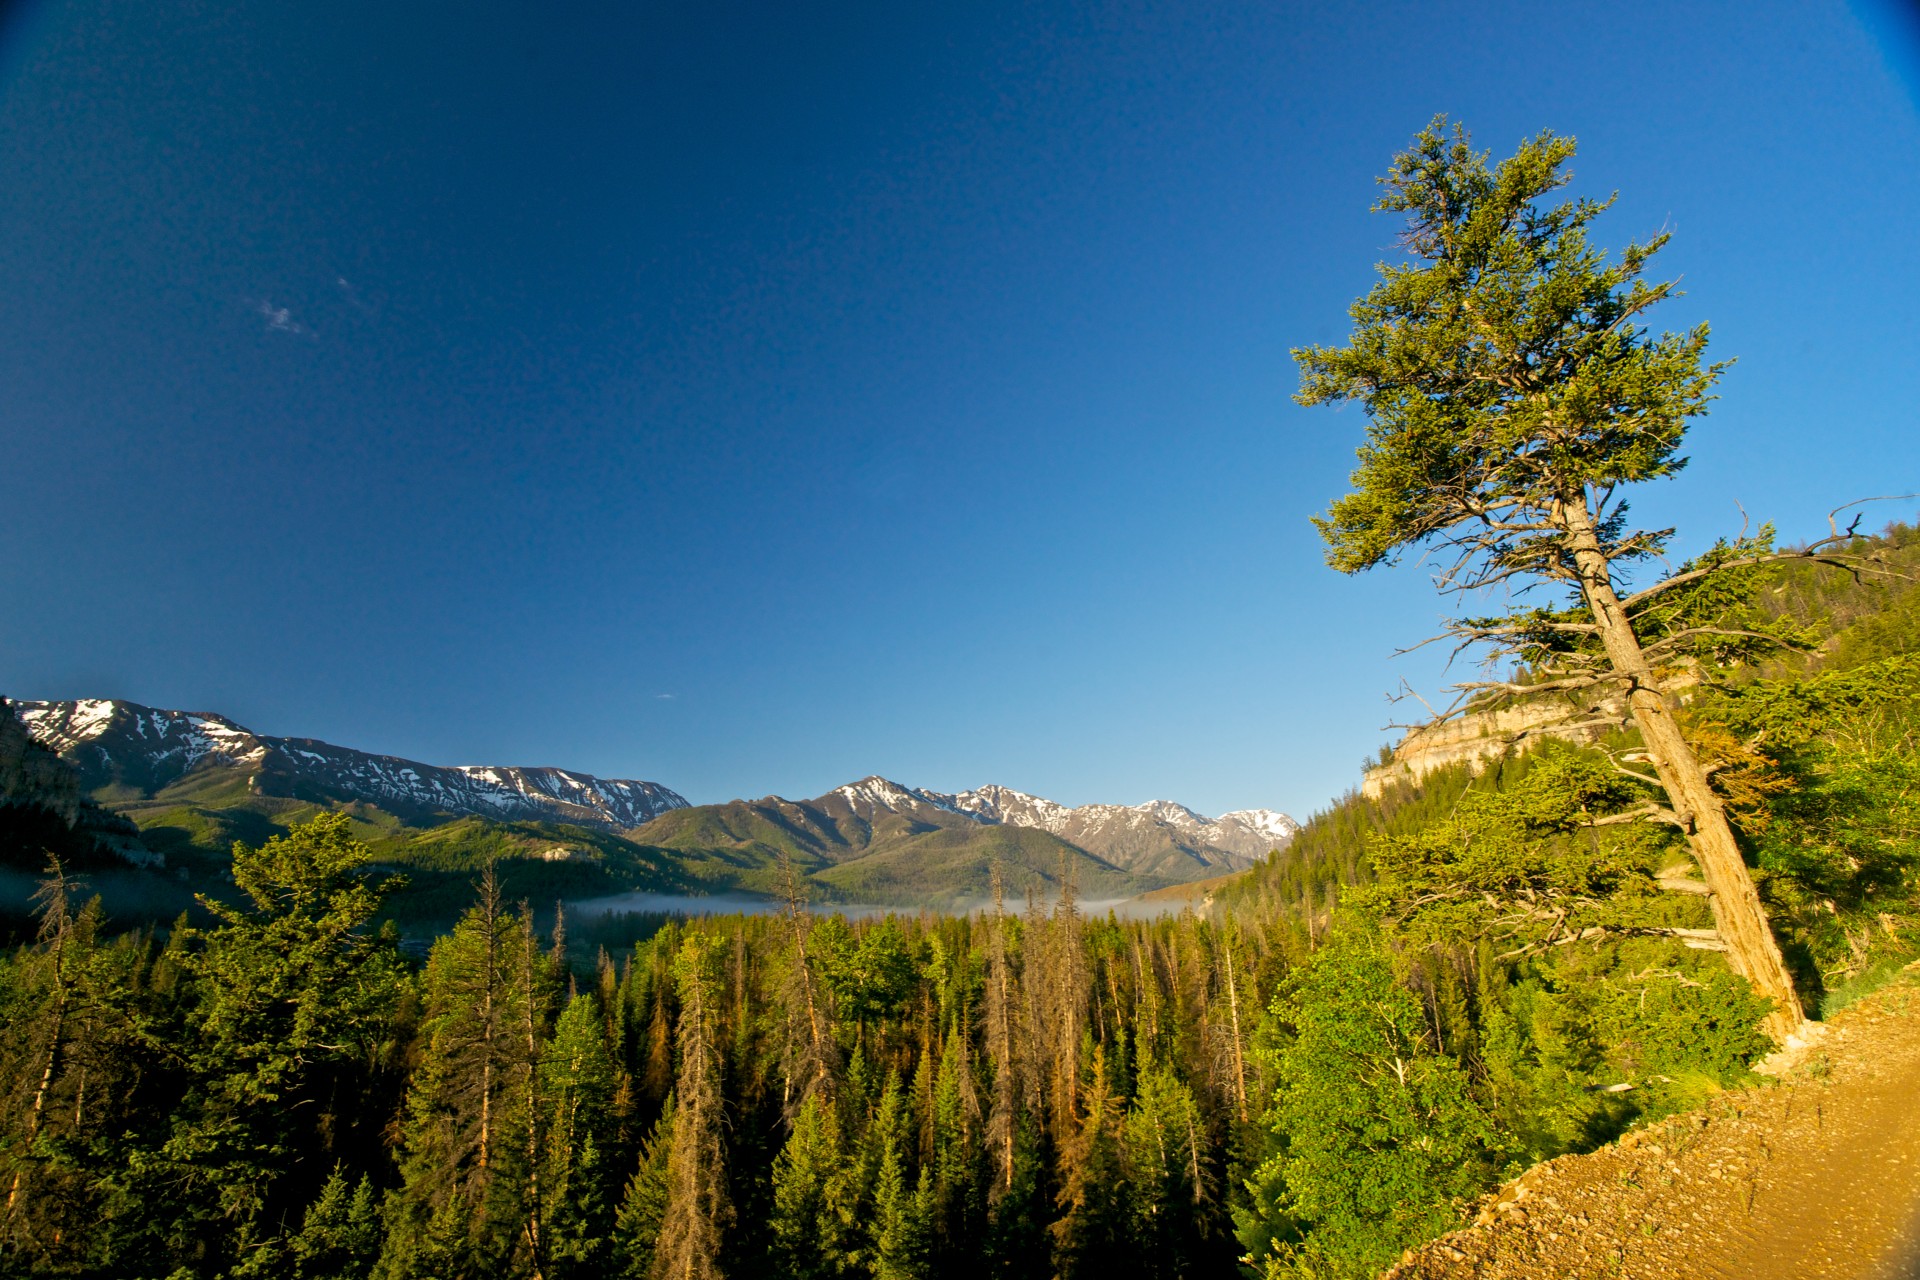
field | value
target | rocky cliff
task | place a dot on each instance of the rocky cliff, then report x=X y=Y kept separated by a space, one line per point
x=1477 y=738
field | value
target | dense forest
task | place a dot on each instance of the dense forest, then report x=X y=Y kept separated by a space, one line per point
x=1421 y=996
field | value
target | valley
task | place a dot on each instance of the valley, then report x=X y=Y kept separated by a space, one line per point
x=180 y=788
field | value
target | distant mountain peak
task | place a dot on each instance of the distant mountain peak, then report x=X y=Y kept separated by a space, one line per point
x=1229 y=831
x=145 y=750
x=1126 y=833
x=150 y=748
x=877 y=794
x=1268 y=822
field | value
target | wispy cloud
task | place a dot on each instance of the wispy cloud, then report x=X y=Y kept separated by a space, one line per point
x=667 y=696
x=279 y=319
x=352 y=295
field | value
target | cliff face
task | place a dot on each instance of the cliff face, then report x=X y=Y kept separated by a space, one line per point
x=1476 y=739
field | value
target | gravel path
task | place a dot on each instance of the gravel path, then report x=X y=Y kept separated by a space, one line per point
x=1813 y=1177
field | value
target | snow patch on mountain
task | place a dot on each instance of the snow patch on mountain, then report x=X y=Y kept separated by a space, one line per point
x=1237 y=831
x=1233 y=840
x=1266 y=822
x=876 y=793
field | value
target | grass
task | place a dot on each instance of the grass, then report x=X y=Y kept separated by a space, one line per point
x=1883 y=971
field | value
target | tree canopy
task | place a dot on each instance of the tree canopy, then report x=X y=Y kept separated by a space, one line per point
x=1504 y=369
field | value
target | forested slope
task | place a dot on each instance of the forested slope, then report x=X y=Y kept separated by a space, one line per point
x=1817 y=752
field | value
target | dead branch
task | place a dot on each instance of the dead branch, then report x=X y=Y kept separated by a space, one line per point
x=1666 y=641
x=1855 y=565
x=1680 y=882
x=1545 y=686
x=1833 y=515
x=1695 y=939
x=1645 y=813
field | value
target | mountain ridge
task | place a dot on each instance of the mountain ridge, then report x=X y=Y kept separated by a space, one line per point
x=122 y=746
x=1159 y=836
x=199 y=780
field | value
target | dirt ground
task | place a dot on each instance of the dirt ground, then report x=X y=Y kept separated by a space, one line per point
x=1814 y=1176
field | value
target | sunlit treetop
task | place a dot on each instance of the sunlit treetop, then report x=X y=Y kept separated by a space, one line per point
x=1504 y=370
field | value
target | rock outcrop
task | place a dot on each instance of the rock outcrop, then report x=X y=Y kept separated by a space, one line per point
x=1480 y=737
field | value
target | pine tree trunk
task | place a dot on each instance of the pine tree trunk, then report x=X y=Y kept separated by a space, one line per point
x=689 y=1244
x=817 y=1072
x=490 y=903
x=1737 y=912
x=56 y=1036
x=530 y=1062
x=1001 y=1123
x=1239 y=1046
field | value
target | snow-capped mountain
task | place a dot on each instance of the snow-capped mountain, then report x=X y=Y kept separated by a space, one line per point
x=136 y=758
x=875 y=794
x=146 y=749
x=1158 y=836
x=1250 y=834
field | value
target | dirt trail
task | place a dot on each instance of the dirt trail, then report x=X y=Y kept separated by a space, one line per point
x=1815 y=1177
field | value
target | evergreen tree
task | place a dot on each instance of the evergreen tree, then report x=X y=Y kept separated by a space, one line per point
x=1002 y=1008
x=1093 y=1234
x=962 y=1172
x=1383 y=1138
x=339 y=1238
x=1512 y=394
x=294 y=1001
x=577 y=1093
x=643 y=1205
x=1163 y=1137
x=39 y=1016
x=902 y=1202
x=697 y=1209
x=461 y=1206
x=812 y=1218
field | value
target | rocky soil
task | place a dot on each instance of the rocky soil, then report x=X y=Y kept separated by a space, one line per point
x=1814 y=1175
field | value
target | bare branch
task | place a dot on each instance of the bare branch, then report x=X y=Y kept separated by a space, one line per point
x=1645 y=813
x=1413 y=648
x=1637 y=776
x=1696 y=939
x=1408 y=691
x=1833 y=515
x=1654 y=646
x=1852 y=564
x=1680 y=882
x=1523 y=628
x=1545 y=686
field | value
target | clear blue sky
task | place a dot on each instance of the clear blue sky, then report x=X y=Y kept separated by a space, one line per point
x=753 y=397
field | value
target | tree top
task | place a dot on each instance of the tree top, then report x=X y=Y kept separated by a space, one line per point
x=1503 y=367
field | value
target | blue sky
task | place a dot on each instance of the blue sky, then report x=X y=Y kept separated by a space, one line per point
x=753 y=397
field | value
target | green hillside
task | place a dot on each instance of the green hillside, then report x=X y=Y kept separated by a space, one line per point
x=764 y=831
x=952 y=867
x=841 y=856
x=932 y=859
x=194 y=825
